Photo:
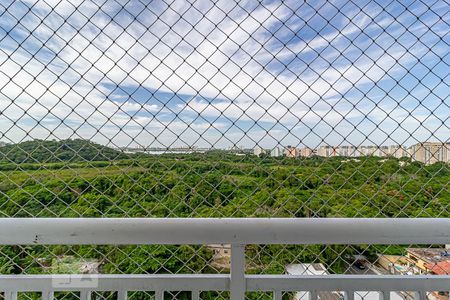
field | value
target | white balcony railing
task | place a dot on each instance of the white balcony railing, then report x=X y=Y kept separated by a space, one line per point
x=238 y=233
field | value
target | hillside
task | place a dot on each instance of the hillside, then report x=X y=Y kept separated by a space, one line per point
x=39 y=151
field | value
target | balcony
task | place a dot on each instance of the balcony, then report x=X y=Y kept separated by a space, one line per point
x=238 y=233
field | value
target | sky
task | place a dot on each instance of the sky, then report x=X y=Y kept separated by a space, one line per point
x=218 y=74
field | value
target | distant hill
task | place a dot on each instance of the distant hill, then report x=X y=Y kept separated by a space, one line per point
x=39 y=151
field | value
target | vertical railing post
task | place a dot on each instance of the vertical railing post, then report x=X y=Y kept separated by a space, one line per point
x=420 y=295
x=277 y=295
x=85 y=295
x=159 y=295
x=385 y=295
x=349 y=295
x=47 y=295
x=122 y=295
x=10 y=295
x=237 y=272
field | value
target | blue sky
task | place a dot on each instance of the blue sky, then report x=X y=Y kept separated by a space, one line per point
x=221 y=73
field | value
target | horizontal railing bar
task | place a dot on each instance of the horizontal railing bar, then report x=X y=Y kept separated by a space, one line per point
x=379 y=283
x=115 y=283
x=29 y=231
x=219 y=282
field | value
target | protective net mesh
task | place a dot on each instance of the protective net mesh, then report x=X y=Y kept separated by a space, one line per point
x=224 y=109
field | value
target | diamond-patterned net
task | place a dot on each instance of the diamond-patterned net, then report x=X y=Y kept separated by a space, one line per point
x=137 y=108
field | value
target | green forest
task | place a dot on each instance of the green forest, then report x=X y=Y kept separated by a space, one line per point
x=75 y=178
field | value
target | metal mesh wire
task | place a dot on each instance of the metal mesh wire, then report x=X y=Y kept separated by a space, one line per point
x=222 y=109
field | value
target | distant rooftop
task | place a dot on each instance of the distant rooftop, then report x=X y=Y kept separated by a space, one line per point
x=431 y=255
x=439 y=268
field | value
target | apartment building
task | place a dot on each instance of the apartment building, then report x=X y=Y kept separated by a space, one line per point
x=430 y=152
x=427 y=152
x=366 y=150
x=347 y=151
x=398 y=151
x=292 y=151
x=276 y=152
x=327 y=151
x=306 y=152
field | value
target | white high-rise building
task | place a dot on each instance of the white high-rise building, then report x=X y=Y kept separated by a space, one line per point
x=276 y=152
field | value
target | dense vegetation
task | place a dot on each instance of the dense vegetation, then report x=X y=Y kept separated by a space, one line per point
x=39 y=151
x=215 y=184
